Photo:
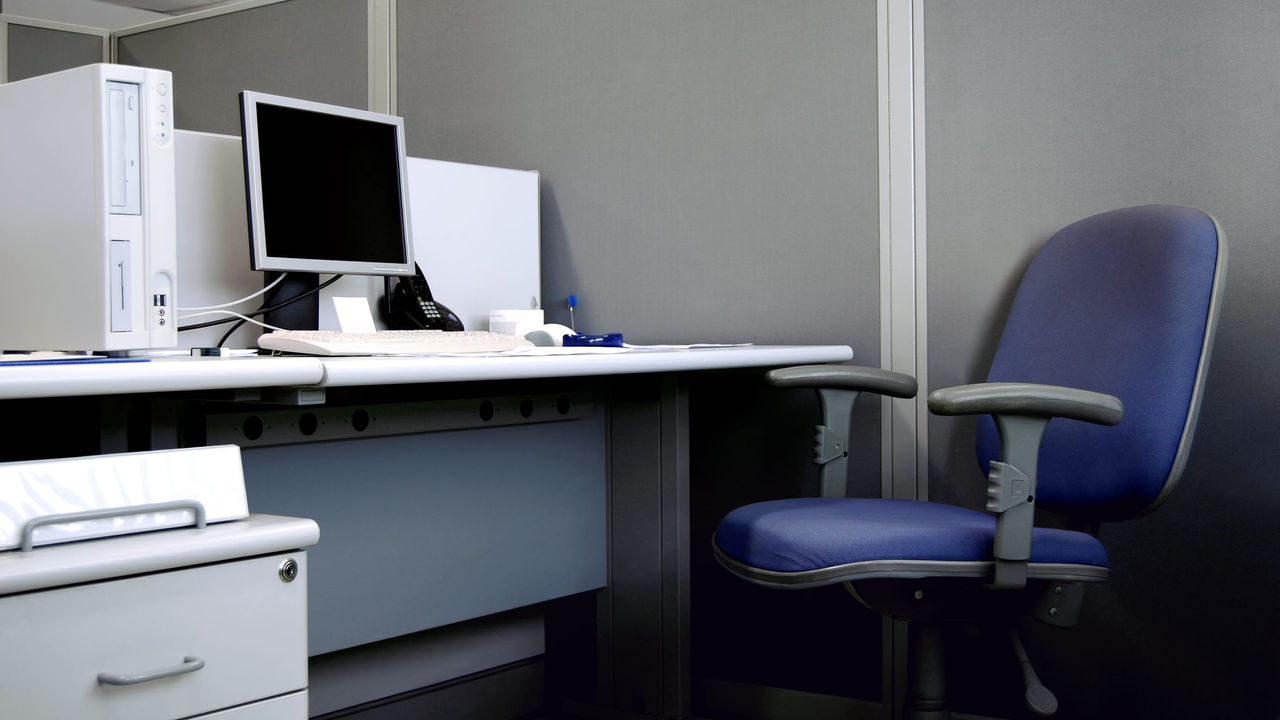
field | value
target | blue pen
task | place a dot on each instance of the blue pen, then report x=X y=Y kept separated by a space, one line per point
x=603 y=340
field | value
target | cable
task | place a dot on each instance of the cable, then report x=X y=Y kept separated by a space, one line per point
x=263 y=291
x=243 y=318
x=227 y=335
x=259 y=311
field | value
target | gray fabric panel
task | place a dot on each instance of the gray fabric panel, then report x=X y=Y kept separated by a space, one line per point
x=315 y=50
x=709 y=169
x=1039 y=114
x=37 y=51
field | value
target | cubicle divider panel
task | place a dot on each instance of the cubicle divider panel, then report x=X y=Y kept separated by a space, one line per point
x=709 y=169
x=316 y=50
x=33 y=50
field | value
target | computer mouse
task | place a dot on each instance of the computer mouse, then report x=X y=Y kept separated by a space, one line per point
x=549 y=335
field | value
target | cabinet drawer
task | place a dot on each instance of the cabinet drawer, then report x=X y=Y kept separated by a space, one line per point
x=246 y=624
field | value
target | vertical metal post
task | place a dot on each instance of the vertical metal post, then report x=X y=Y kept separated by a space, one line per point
x=113 y=413
x=643 y=645
x=676 y=671
x=166 y=416
x=382 y=56
x=902 y=256
x=903 y=277
x=4 y=49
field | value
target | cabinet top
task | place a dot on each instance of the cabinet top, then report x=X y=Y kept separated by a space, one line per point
x=51 y=566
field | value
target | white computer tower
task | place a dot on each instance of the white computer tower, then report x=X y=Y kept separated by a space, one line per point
x=87 y=211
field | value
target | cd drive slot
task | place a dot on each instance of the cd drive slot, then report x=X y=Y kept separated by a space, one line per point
x=124 y=162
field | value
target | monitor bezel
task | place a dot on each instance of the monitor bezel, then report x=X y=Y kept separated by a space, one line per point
x=259 y=257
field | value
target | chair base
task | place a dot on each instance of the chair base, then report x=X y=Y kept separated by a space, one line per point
x=926 y=674
x=926 y=692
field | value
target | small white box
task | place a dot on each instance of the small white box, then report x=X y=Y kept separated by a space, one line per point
x=515 y=322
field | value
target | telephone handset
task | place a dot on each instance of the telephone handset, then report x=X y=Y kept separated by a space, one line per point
x=409 y=306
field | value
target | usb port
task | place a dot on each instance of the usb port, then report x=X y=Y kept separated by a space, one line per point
x=158 y=300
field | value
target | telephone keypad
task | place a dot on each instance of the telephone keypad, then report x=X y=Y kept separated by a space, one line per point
x=429 y=309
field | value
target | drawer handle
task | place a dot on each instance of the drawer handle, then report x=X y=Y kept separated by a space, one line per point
x=189 y=664
x=29 y=529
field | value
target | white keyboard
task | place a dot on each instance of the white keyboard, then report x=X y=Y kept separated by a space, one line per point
x=389 y=342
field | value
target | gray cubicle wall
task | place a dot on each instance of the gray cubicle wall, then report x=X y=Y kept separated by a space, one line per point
x=709 y=173
x=709 y=169
x=33 y=50
x=316 y=49
x=1039 y=114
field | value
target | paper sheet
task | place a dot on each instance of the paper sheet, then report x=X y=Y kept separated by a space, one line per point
x=353 y=314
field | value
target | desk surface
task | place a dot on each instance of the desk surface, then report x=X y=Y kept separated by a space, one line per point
x=195 y=374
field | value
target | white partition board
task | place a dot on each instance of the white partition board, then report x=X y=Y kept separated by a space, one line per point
x=213 y=234
x=475 y=235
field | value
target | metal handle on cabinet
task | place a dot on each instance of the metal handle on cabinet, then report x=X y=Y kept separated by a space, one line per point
x=29 y=529
x=189 y=664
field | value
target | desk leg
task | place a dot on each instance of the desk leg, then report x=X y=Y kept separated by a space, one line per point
x=113 y=423
x=166 y=416
x=643 y=644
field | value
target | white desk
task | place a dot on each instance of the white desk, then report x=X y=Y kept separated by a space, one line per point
x=156 y=376
x=183 y=374
x=629 y=442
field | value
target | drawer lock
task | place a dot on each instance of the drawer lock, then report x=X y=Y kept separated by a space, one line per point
x=288 y=569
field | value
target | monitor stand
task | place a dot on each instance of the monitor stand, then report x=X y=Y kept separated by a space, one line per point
x=301 y=315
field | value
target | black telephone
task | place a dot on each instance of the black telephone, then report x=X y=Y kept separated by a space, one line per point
x=409 y=306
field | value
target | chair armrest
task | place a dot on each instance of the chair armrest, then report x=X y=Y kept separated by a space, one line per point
x=1027 y=399
x=844 y=377
x=1021 y=412
x=838 y=387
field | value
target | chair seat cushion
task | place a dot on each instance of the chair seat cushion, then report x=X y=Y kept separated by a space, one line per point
x=802 y=535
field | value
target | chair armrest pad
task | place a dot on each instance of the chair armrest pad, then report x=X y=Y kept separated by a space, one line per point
x=845 y=377
x=1027 y=399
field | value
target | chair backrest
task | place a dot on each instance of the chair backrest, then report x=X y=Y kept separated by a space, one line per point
x=1126 y=303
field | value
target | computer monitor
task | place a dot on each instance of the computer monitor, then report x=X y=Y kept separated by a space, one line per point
x=327 y=188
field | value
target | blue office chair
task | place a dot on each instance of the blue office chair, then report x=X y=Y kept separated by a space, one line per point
x=1112 y=325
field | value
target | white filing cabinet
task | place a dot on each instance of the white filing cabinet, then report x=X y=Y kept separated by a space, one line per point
x=208 y=622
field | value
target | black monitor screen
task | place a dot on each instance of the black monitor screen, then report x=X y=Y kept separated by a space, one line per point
x=326 y=188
